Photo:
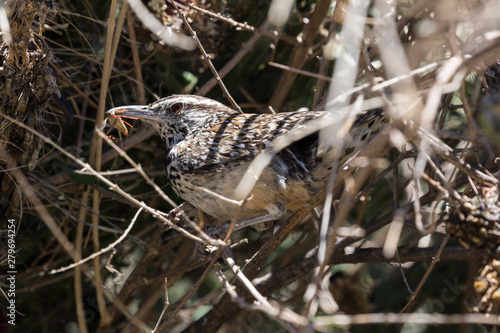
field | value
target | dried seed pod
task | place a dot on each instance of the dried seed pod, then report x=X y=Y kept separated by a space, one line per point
x=486 y=286
x=475 y=222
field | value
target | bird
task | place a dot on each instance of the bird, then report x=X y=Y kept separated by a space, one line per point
x=209 y=147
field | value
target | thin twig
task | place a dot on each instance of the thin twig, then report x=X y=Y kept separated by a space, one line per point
x=102 y=251
x=321 y=322
x=281 y=314
x=207 y=58
x=300 y=71
x=165 y=307
x=426 y=275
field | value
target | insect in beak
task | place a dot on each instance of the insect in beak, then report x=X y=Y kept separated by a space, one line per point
x=116 y=120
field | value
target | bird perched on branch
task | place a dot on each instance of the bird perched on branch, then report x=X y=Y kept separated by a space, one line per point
x=210 y=146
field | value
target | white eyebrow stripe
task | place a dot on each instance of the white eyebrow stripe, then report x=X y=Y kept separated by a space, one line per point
x=193 y=100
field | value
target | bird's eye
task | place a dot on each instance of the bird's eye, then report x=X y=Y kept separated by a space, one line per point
x=177 y=107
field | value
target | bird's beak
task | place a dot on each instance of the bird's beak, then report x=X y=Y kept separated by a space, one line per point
x=134 y=111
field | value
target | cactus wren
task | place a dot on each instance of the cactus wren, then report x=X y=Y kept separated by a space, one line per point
x=209 y=146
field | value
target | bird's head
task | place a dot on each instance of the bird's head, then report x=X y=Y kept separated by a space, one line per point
x=176 y=117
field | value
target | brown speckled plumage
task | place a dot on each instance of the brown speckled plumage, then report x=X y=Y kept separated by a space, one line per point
x=209 y=146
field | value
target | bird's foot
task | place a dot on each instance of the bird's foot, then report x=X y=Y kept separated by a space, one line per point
x=264 y=221
x=180 y=214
